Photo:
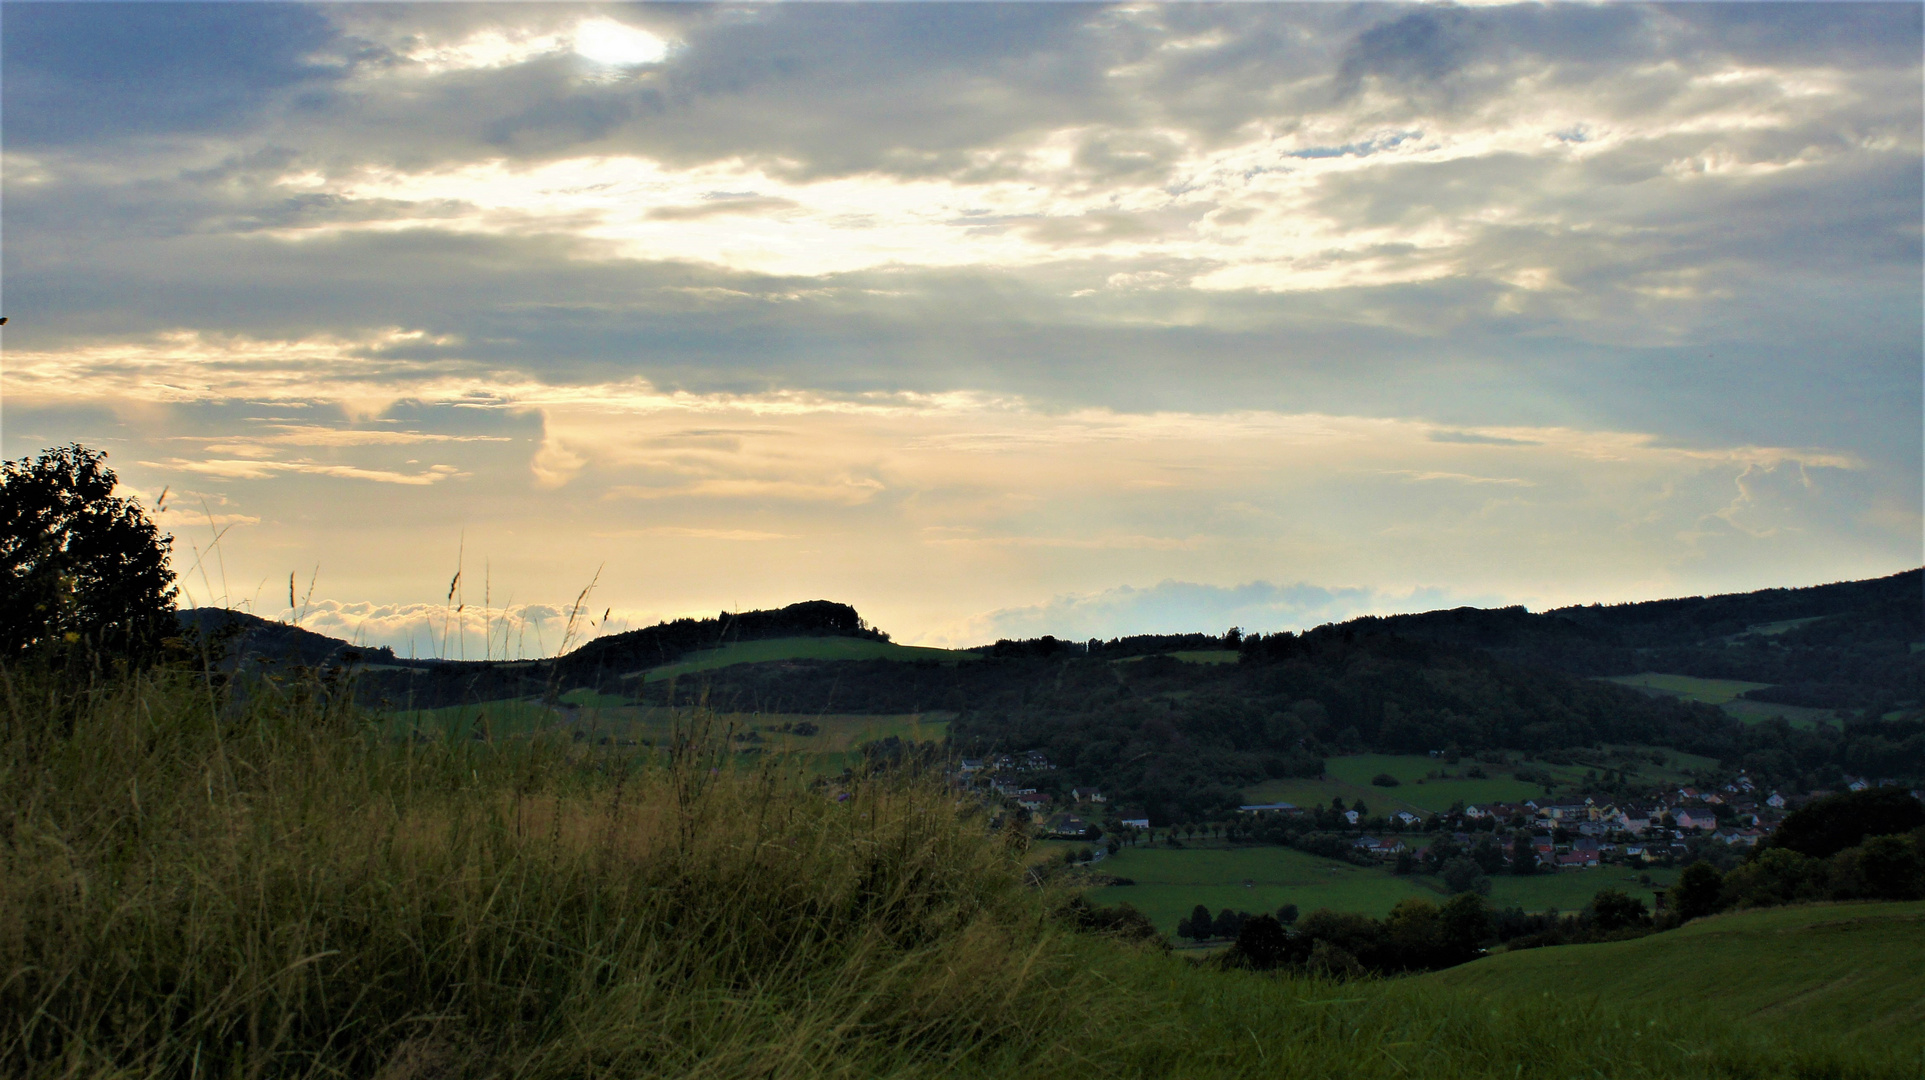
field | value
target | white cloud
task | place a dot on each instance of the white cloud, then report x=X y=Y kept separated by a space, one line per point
x=1181 y=607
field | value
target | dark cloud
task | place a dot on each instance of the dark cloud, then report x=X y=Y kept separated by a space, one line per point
x=76 y=73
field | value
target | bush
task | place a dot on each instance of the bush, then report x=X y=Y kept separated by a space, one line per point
x=1384 y=779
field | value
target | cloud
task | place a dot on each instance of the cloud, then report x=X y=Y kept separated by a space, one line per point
x=982 y=303
x=259 y=469
x=457 y=631
x=1177 y=607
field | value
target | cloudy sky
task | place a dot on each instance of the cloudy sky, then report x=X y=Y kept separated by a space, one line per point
x=988 y=319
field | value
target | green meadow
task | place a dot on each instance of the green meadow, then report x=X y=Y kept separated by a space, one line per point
x=1725 y=693
x=1853 y=971
x=1171 y=881
x=1349 y=777
x=1570 y=890
x=800 y=648
x=1207 y=656
x=1688 y=687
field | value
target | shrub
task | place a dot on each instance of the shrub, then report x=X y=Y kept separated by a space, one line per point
x=1384 y=779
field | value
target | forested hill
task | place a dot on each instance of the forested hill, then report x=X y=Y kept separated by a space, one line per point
x=425 y=683
x=663 y=643
x=1183 y=738
x=1848 y=645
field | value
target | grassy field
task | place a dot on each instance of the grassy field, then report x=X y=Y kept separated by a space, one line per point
x=597 y=717
x=1724 y=693
x=1171 y=881
x=1207 y=656
x=798 y=648
x=1688 y=687
x=492 y=719
x=1349 y=777
x=1854 y=970
x=1797 y=716
x=1190 y=656
x=1569 y=890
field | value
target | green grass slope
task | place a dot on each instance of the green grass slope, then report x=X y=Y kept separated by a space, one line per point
x=1725 y=694
x=1853 y=970
x=799 y=648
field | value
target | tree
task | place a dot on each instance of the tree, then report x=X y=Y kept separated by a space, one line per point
x=79 y=566
x=1523 y=854
x=1697 y=892
x=1882 y=868
x=1200 y=923
x=1613 y=909
x=1262 y=943
x=1287 y=914
x=1837 y=822
x=1467 y=921
x=1463 y=875
x=1228 y=924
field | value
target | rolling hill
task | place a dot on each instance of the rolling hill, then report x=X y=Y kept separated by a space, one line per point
x=1855 y=970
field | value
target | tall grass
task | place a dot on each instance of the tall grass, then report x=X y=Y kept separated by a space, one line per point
x=195 y=883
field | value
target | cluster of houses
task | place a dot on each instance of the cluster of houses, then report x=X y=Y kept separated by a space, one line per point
x=1581 y=834
x=1003 y=775
x=1572 y=834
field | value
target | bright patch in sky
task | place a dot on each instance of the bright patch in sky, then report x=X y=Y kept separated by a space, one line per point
x=617 y=44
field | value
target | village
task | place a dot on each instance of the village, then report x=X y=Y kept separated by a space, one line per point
x=1670 y=827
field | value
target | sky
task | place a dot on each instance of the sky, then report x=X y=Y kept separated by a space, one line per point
x=991 y=320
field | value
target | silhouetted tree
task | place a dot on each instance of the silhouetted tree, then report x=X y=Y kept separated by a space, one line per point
x=78 y=566
x=1200 y=924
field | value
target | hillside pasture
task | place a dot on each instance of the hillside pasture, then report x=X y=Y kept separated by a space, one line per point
x=1855 y=971
x=836 y=743
x=509 y=718
x=1349 y=777
x=1171 y=881
x=1688 y=687
x=1726 y=695
x=1206 y=656
x=796 y=648
x=1798 y=716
